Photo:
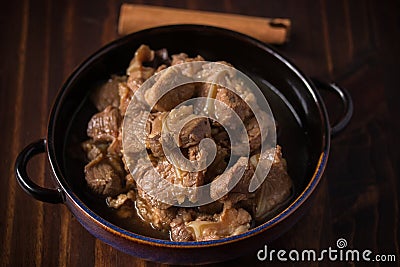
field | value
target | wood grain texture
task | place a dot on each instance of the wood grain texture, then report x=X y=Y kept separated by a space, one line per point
x=134 y=18
x=352 y=42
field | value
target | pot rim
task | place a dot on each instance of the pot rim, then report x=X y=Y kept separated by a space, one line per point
x=110 y=227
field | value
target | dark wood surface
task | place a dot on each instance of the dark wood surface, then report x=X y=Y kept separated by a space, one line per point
x=355 y=43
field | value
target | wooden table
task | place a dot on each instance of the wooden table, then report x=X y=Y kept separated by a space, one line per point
x=355 y=43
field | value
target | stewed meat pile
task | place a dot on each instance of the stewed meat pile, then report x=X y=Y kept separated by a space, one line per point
x=107 y=174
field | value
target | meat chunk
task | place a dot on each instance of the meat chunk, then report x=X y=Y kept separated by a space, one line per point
x=183 y=178
x=234 y=102
x=245 y=201
x=219 y=164
x=276 y=188
x=193 y=128
x=154 y=202
x=125 y=96
x=115 y=148
x=229 y=223
x=104 y=126
x=153 y=143
x=183 y=58
x=145 y=63
x=104 y=175
x=194 y=131
x=254 y=134
x=220 y=186
x=159 y=218
x=243 y=185
x=149 y=185
x=191 y=225
x=107 y=94
x=173 y=98
x=179 y=231
x=168 y=172
x=221 y=137
x=121 y=199
x=154 y=128
x=134 y=83
x=93 y=150
x=124 y=204
x=164 y=96
x=137 y=73
x=136 y=70
x=148 y=181
x=194 y=179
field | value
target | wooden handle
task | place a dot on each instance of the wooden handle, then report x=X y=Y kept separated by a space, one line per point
x=138 y=17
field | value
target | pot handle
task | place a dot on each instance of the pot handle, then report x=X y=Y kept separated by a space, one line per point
x=346 y=100
x=36 y=191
